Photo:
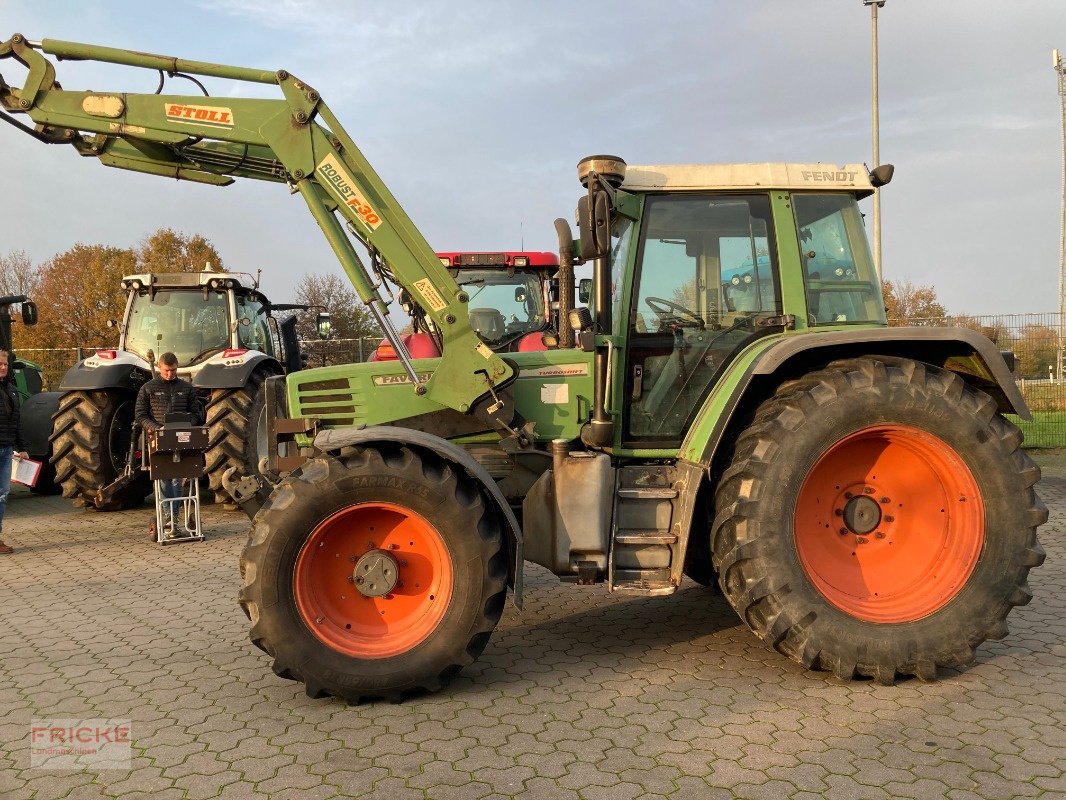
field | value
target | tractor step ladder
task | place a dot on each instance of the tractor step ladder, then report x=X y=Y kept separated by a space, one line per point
x=643 y=543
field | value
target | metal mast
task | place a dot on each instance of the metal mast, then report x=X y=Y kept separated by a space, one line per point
x=1060 y=71
x=876 y=128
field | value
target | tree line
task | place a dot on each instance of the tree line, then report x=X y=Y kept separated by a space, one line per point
x=78 y=291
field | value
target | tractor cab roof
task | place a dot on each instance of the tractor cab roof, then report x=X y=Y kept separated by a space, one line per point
x=515 y=259
x=706 y=177
x=190 y=280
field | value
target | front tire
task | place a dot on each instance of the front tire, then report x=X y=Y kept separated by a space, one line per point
x=236 y=432
x=90 y=444
x=379 y=575
x=878 y=518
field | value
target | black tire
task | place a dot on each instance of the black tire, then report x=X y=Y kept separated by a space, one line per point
x=235 y=432
x=325 y=489
x=46 y=480
x=90 y=443
x=757 y=537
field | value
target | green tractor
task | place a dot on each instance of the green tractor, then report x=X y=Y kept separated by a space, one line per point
x=736 y=411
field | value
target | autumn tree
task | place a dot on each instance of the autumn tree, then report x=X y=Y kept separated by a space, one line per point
x=907 y=304
x=169 y=251
x=18 y=275
x=1036 y=349
x=79 y=291
x=349 y=318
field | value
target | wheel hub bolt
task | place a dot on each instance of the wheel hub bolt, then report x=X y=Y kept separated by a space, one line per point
x=376 y=573
x=890 y=519
x=885 y=501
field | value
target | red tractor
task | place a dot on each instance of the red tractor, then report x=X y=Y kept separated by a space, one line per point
x=515 y=299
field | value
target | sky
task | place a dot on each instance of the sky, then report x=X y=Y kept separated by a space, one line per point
x=475 y=114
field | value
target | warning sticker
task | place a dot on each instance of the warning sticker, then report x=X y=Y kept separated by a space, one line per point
x=430 y=294
x=484 y=350
x=184 y=437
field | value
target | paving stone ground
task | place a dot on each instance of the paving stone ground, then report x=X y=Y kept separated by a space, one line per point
x=581 y=695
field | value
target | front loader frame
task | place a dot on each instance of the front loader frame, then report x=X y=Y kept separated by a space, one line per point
x=294 y=140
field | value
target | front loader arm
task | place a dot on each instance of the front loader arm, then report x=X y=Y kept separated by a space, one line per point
x=295 y=140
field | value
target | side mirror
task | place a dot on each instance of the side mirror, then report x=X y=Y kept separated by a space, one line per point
x=584 y=290
x=566 y=241
x=594 y=224
x=519 y=294
x=322 y=322
x=29 y=313
x=880 y=176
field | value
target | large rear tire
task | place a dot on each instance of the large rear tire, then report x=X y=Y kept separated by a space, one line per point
x=90 y=443
x=235 y=432
x=379 y=575
x=878 y=518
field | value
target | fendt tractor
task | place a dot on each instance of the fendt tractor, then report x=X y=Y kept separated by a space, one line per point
x=227 y=340
x=516 y=299
x=37 y=406
x=853 y=489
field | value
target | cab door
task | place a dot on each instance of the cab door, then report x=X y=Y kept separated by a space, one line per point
x=706 y=282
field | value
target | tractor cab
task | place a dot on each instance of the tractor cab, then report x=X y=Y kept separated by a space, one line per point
x=202 y=318
x=512 y=297
x=703 y=260
x=514 y=303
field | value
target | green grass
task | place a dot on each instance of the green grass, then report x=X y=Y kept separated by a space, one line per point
x=1047 y=429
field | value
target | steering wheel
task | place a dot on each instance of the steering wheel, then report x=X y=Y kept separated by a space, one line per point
x=671 y=313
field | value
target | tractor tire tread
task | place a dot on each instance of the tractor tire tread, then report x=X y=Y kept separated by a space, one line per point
x=772 y=606
x=261 y=602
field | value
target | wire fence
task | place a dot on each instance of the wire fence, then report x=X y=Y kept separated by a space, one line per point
x=1035 y=340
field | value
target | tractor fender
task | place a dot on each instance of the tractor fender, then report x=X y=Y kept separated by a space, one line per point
x=973 y=357
x=123 y=375
x=334 y=439
x=35 y=418
x=223 y=375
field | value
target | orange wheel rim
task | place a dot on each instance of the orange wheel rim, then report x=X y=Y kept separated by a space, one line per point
x=373 y=580
x=889 y=524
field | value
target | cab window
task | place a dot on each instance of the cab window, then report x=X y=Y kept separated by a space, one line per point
x=707 y=279
x=253 y=330
x=839 y=276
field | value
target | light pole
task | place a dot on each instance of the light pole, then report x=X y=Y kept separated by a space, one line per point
x=1060 y=74
x=874 y=5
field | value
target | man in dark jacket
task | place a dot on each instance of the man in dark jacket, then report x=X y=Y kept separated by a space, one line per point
x=10 y=438
x=157 y=398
